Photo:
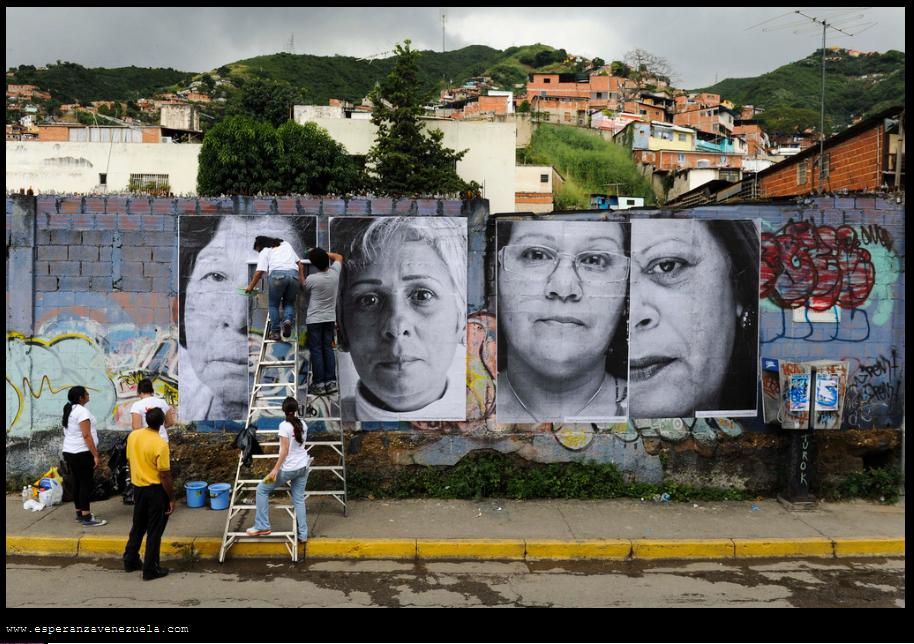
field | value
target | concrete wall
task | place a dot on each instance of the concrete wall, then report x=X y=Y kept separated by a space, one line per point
x=489 y=160
x=92 y=300
x=74 y=167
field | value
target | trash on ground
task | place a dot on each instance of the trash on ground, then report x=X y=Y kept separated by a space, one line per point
x=33 y=505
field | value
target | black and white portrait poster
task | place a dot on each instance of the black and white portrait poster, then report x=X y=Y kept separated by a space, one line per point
x=694 y=318
x=217 y=257
x=401 y=317
x=562 y=309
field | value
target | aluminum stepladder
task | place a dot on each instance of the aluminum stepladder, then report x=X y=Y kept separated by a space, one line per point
x=262 y=405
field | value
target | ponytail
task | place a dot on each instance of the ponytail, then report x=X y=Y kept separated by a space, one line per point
x=74 y=396
x=290 y=407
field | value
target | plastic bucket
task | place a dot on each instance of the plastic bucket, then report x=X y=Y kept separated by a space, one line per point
x=196 y=493
x=219 y=495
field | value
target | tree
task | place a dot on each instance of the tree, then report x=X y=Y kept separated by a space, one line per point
x=598 y=62
x=247 y=157
x=645 y=64
x=266 y=100
x=618 y=68
x=407 y=158
x=313 y=163
x=239 y=156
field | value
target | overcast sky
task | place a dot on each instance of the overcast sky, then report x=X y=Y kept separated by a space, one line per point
x=703 y=43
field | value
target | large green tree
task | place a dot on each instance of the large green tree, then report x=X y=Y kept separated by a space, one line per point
x=266 y=100
x=248 y=157
x=407 y=158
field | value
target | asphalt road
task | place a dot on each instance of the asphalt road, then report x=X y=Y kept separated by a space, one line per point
x=864 y=582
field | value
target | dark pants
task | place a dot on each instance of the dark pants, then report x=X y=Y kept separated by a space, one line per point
x=150 y=505
x=320 y=344
x=82 y=466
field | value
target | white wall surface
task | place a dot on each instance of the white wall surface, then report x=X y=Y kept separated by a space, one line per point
x=50 y=167
x=489 y=160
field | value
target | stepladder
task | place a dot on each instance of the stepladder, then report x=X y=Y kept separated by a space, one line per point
x=280 y=370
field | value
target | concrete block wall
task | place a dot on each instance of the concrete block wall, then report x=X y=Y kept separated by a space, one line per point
x=92 y=300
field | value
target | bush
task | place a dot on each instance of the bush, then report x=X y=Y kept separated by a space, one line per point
x=878 y=484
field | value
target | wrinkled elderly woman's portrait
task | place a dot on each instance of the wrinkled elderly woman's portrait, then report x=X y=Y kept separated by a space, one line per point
x=216 y=254
x=694 y=318
x=401 y=317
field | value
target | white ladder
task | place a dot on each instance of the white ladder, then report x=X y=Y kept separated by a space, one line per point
x=259 y=404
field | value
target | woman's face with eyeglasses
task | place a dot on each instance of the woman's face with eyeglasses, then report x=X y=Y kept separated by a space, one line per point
x=561 y=293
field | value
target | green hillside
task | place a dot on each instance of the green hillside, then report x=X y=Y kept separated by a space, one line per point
x=854 y=86
x=70 y=82
x=587 y=163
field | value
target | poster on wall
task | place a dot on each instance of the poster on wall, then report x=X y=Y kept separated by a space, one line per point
x=401 y=317
x=693 y=326
x=771 y=389
x=795 y=379
x=798 y=393
x=831 y=385
x=216 y=258
x=562 y=310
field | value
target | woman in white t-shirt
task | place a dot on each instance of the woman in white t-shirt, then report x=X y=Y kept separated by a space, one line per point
x=80 y=452
x=292 y=466
x=146 y=402
x=279 y=260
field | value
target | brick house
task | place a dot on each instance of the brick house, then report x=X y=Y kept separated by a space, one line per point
x=862 y=158
x=571 y=110
x=600 y=90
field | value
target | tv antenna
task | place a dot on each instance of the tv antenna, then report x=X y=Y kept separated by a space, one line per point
x=843 y=21
x=292 y=43
x=443 y=21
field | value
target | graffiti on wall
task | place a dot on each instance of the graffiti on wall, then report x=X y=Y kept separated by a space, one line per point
x=873 y=390
x=815 y=266
x=41 y=369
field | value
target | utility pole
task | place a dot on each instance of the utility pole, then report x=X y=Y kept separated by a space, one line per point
x=292 y=44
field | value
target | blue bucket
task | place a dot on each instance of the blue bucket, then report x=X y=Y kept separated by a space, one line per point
x=219 y=496
x=196 y=493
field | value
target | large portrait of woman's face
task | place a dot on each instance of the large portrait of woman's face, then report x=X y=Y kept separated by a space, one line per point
x=562 y=291
x=216 y=253
x=402 y=317
x=694 y=312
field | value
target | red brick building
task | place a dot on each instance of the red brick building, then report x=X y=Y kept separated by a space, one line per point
x=862 y=158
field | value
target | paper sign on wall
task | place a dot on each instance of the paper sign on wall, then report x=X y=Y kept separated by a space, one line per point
x=798 y=393
x=826 y=393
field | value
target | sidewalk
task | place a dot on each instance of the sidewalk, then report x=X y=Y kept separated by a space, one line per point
x=490 y=529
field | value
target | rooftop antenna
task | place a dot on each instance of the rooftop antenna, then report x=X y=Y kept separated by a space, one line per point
x=292 y=43
x=443 y=21
x=808 y=24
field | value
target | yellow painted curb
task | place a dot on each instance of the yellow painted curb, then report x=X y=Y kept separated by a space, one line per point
x=55 y=546
x=802 y=547
x=208 y=547
x=597 y=549
x=470 y=549
x=682 y=548
x=855 y=547
x=361 y=548
x=102 y=546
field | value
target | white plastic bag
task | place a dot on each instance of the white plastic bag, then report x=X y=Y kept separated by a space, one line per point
x=53 y=495
x=33 y=505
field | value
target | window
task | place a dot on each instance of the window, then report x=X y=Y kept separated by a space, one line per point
x=681 y=158
x=630 y=202
x=103 y=179
x=148 y=182
x=801 y=173
x=547 y=80
x=723 y=160
x=544 y=178
x=826 y=163
x=682 y=137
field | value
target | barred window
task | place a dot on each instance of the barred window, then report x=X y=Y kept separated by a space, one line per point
x=801 y=173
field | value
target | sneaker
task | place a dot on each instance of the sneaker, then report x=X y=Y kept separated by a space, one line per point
x=330 y=387
x=257 y=532
x=318 y=389
x=92 y=522
x=287 y=328
x=274 y=336
x=155 y=574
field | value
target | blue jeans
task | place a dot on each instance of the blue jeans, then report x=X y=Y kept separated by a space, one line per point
x=323 y=362
x=283 y=288
x=299 y=479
